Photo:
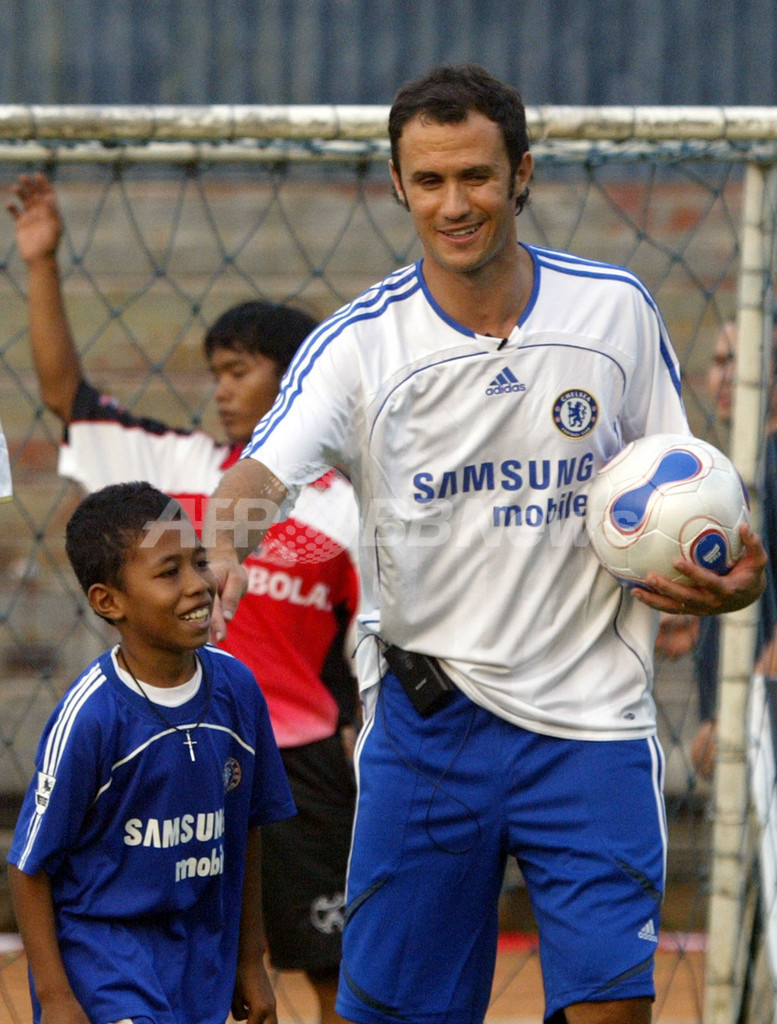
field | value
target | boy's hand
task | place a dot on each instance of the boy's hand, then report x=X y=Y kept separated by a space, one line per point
x=36 y=217
x=254 y=999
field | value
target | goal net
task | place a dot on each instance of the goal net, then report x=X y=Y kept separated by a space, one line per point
x=174 y=214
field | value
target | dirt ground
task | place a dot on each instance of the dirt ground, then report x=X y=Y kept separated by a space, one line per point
x=516 y=995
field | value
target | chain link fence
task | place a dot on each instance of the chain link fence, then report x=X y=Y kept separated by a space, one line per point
x=161 y=238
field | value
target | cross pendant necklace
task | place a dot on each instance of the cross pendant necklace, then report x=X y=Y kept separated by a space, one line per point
x=187 y=730
x=191 y=744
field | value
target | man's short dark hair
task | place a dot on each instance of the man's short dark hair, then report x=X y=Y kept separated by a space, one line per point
x=448 y=94
x=261 y=328
x=107 y=524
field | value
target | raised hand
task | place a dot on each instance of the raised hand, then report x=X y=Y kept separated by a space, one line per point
x=37 y=222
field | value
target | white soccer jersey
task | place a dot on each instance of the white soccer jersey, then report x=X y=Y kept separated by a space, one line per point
x=471 y=456
x=298 y=583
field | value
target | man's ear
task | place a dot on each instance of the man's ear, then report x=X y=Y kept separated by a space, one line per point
x=397 y=182
x=106 y=601
x=524 y=173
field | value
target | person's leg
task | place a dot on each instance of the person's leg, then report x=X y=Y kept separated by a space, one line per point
x=589 y=831
x=621 y=1011
x=426 y=866
x=304 y=862
x=325 y=985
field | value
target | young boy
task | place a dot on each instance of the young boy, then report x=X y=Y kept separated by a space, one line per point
x=291 y=624
x=154 y=773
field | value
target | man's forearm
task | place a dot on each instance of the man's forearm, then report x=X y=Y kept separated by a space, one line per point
x=241 y=510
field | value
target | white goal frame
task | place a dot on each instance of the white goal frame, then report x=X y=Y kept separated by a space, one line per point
x=69 y=134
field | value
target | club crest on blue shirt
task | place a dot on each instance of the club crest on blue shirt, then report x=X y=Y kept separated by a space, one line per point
x=575 y=412
x=233 y=773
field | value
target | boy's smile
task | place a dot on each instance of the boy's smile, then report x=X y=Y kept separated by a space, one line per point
x=165 y=599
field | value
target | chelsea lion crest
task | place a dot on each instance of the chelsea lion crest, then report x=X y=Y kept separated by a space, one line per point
x=232 y=774
x=575 y=413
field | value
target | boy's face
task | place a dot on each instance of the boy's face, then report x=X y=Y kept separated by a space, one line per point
x=246 y=387
x=166 y=595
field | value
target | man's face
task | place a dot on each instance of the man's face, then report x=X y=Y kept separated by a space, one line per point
x=246 y=387
x=455 y=179
x=720 y=377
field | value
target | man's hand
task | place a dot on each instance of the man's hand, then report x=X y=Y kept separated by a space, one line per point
x=36 y=217
x=707 y=593
x=232 y=582
x=677 y=635
x=239 y=514
x=704 y=749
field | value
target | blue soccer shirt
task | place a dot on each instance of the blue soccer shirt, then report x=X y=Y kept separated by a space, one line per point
x=144 y=843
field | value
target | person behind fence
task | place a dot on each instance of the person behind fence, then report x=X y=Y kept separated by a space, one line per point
x=506 y=676
x=706 y=654
x=303 y=591
x=135 y=863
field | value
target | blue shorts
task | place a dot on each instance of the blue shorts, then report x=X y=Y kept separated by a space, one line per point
x=442 y=801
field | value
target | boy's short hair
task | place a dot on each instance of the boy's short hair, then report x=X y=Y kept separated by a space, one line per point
x=260 y=328
x=448 y=94
x=107 y=524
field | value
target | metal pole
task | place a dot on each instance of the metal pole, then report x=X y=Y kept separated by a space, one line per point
x=732 y=902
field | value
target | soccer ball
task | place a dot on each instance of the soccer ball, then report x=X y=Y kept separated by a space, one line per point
x=663 y=497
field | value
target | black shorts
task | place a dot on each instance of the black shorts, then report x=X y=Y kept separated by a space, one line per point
x=304 y=859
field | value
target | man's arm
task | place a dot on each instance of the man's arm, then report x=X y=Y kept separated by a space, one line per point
x=38 y=229
x=34 y=909
x=240 y=512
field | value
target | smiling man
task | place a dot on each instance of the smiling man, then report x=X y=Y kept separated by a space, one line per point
x=506 y=676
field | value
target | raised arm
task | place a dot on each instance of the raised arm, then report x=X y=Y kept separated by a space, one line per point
x=240 y=512
x=38 y=230
x=31 y=895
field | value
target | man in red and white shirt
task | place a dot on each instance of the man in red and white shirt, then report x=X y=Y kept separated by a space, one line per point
x=303 y=586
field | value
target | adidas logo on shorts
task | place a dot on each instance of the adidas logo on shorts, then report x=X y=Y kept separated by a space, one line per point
x=648 y=932
x=504 y=383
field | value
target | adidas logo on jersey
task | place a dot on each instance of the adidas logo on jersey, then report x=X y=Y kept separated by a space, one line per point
x=504 y=383
x=648 y=932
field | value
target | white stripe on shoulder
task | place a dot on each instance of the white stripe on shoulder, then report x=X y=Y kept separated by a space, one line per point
x=212 y=649
x=79 y=694
x=368 y=305
x=568 y=263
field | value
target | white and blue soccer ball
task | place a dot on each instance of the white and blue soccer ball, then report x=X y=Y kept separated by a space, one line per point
x=663 y=497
